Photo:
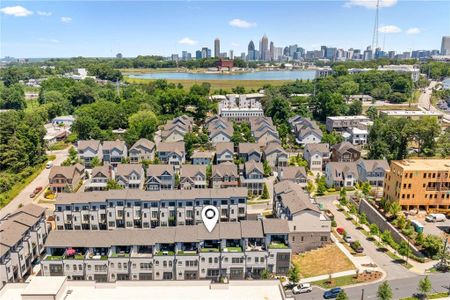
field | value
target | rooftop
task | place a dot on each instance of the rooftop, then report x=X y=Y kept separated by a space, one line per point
x=424 y=164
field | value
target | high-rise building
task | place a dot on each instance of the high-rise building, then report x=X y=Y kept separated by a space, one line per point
x=198 y=54
x=323 y=49
x=445 y=45
x=272 y=51
x=251 y=51
x=264 y=49
x=243 y=55
x=206 y=53
x=175 y=57
x=185 y=55
x=231 y=54
x=217 y=47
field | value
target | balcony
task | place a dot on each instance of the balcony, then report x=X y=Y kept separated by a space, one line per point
x=232 y=249
x=209 y=250
x=53 y=257
x=278 y=245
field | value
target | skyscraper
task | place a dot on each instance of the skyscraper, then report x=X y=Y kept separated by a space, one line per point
x=264 y=50
x=231 y=54
x=217 y=48
x=445 y=46
x=251 y=51
x=272 y=51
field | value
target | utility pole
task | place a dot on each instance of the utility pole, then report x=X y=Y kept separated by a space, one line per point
x=362 y=294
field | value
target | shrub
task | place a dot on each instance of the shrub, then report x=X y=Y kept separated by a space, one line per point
x=331 y=190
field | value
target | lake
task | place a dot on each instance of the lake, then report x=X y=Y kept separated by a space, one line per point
x=263 y=75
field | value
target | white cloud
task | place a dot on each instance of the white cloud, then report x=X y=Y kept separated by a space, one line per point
x=389 y=29
x=66 y=19
x=413 y=30
x=234 y=44
x=370 y=3
x=16 y=11
x=241 y=23
x=187 y=41
x=44 y=13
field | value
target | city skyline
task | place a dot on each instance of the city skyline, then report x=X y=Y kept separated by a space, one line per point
x=43 y=29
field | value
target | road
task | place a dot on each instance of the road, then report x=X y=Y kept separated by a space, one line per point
x=401 y=288
x=41 y=180
x=393 y=269
x=425 y=101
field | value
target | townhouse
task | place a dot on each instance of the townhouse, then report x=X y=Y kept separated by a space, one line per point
x=305 y=130
x=356 y=136
x=372 y=171
x=202 y=157
x=142 y=150
x=171 y=153
x=345 y=152
x=317 y=156
x=89 y=149
x=118 y=209
x=65 y=178
x=293 y=173
x=252 y=177
x=224 y=152
x=341 y=174
x=240 y=108
x=193 y=177
x=22 y=237
x=175 y=129
x=342 y=123
x=218 y=135
x=160 y=177
x=224 y=175
x=114 y=152
x=130 y=176
x=249 y=151
x=309 y=228
x=99 y=178
x=275 y=155
x=237 y=250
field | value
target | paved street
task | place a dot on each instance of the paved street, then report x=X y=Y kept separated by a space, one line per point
x=393 y=269
x=425 y=98
x=404 y=287
x=41 y=180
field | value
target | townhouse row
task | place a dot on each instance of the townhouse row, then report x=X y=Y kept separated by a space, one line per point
x=115 y=209
x=22 y=237
x=236 y=250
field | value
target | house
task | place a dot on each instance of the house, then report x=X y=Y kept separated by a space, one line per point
x=317 y=156
x=305 y=130
x=275 y=155
x=372 y=171
x=266 y=136
x=217 y=123
x=142 y=150
x=342 y=123
x=173 y=135
x=130 y=176
x=309 y=228
x=345 y=152
x=160 y=177
x=114 y=152
x=293 y=173
x=99 y=178
x=171 y=153
x=193 y=177
x=224 y=152
x=341 y=174
x=66 y=178
x=87 y=150
x=358 y=136
x=225 y=175
x=249 y=151
x=221 y=135
x=252 y=177
x=202 y=157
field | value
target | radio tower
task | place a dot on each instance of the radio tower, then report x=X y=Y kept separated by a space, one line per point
x=375 y=29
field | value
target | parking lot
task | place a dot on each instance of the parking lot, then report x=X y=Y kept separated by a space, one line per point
x=437 y=228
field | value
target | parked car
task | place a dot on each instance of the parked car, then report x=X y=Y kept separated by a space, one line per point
x=302 y=288
x=36 y=191
x=348 y=239
x=49 y=165
x=333 y=293
x=340 y=230
x=435 y=218
x=356 y=246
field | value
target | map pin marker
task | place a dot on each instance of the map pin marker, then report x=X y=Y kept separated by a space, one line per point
x=210 y=215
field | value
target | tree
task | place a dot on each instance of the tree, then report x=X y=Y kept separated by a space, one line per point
x=424 y=286
x=394 y=208
x=267 y=168
x=113 y=185
x=95 y=162
x=372 y=112
x=342 y=296
x=321 y=185
x=384 y=291
x=349 y=88
x=142 y=124
x=366 y=187
x=355 y=108
x=432 y=245
x=12 y=97
x=265 y=274
x=265 y=193
x=374 y=230
x=293 y=274
x=363 y=218
x=403 y=249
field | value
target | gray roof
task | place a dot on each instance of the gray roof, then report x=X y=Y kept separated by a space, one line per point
x=249 y=147
x=203 y=154
x=252 y=229
x=143 y=144
x=372 y=164
x=177 y=147
x=225 y=169
x=102 y=170
x=124 y=170
x=252 y=165
x=343 y=168
x=274 y=147
x=93 y=144
x=134 y=194
x=275 y=226
x=192 y=170
x=294 y=197
x=66 y=171
x=158 y=170
x=307 y=131
x=224 y=146
x=344 y=146
x=321 y=148
x=109 y=145
x=291 y=172
x=228 y=131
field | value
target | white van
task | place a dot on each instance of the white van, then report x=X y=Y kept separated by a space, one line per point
x=435 y=218
x=49 y=165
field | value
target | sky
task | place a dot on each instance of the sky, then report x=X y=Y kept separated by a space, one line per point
x=103 y=28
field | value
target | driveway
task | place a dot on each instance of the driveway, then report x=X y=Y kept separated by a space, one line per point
x=41 y=180
x=392 y=269
x=401 y=288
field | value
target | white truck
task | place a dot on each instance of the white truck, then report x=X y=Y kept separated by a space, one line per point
x=435 y=218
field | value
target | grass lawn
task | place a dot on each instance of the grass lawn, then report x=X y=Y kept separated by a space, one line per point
x=215 y=84
x=58 y=146
x=322 y=261
x=338 y=281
